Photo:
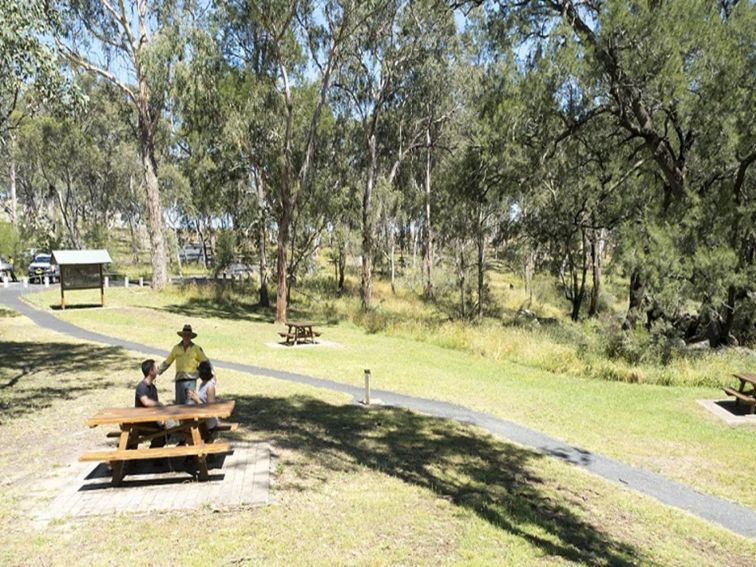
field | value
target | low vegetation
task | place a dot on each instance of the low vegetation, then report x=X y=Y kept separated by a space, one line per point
x=529 y=375
x=380 y=486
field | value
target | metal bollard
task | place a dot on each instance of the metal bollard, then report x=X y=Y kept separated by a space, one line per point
x=47 y=281
x=5 y=281
x=126 y=281
x=366 y=401
x=141 y=282
x=25 y=282
x=107 y=281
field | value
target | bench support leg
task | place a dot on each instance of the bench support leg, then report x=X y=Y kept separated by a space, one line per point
x=118 y=466
x=201 y=459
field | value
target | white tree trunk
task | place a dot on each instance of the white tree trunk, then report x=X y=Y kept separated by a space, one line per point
x=428 y=232
x=13 y=198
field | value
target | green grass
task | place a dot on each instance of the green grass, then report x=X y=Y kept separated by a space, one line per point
x=661 y=428
x=353 y=486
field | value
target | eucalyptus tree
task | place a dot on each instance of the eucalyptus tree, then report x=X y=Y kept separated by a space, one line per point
x=208 y=161
x=30 y=70
x=133 y=46
x=373 y=82
x=282 y=38
x=80 y=166
x=677 y=80
x=250 y=127
x=433 y=99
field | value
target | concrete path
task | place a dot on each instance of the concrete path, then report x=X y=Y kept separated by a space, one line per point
x=735 y=517
x=241 y=478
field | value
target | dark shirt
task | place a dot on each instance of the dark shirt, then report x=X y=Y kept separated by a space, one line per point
x=144 y=389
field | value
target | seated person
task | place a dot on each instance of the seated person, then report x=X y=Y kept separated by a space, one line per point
x=205 y=395
x=146 y=396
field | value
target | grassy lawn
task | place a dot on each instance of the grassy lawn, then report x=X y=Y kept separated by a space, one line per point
x=353 y=486
x=661 y=428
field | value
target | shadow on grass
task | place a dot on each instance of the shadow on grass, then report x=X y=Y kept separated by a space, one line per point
x=70 y=307
x=34 y=375
x=7 y=313
x=222 y=308
x=471 y=469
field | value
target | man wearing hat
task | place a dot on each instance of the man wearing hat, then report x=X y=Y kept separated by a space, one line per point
x=187 y=356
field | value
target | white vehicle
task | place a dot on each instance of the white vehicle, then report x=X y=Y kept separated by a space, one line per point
x=42 y=266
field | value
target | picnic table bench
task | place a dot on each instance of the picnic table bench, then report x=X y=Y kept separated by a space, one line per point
x=748 y=398
x=299 y=331
x=137 y=426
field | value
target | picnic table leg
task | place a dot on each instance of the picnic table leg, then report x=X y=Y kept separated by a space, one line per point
x=201 y=459
x=118 y=466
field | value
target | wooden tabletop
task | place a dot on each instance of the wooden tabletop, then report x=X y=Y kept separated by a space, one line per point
x=299 y=323
x=161 y=413
x=747 y=378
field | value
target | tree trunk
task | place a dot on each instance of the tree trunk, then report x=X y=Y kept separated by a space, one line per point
x=178 y=254
x=392 y=263
x=200 y=236
x=154 y=208
x=637 y=298
x=414 y=232
x=366 y=287
x=529 y=271
x=69 y=223
x=598 y=242
x=463 y=308
x=12 y=173
x=481 y=266
x=578 y=290
x=261 y=237
x=728 y=316
x=132 y=223
x=341 y=266
x=428 y=232
x=284 y=222
x=133 y=232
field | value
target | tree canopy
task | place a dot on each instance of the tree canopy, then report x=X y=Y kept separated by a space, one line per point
x=569 y=138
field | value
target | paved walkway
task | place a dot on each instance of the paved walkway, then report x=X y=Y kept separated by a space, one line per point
x=739 y=519
x=241 y=478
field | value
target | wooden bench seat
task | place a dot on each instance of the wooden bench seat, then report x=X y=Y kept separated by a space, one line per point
x=145 y=431
x=741 y=397
x=286 y=335
x=221 y=427
x=156 y=453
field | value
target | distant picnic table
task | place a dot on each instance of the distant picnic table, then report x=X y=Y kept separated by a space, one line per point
x=299 y=332
x=741 y=395
x=135 y=428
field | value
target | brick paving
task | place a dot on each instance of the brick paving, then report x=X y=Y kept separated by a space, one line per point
x=241 y=478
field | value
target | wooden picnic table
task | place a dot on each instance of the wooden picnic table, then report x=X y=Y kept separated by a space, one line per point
x=300 y=331
x=137 y=426
x=741 y=395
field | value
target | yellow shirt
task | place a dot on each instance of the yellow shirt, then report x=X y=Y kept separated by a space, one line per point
x=187 y=361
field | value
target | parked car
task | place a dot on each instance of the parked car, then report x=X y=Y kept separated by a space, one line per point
x=42 y=266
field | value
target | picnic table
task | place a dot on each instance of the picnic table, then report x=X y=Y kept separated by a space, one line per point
x=749 y=398
x=299 y=332
x=137 y=426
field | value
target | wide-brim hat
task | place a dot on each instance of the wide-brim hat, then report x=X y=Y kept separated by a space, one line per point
x=187 y=330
